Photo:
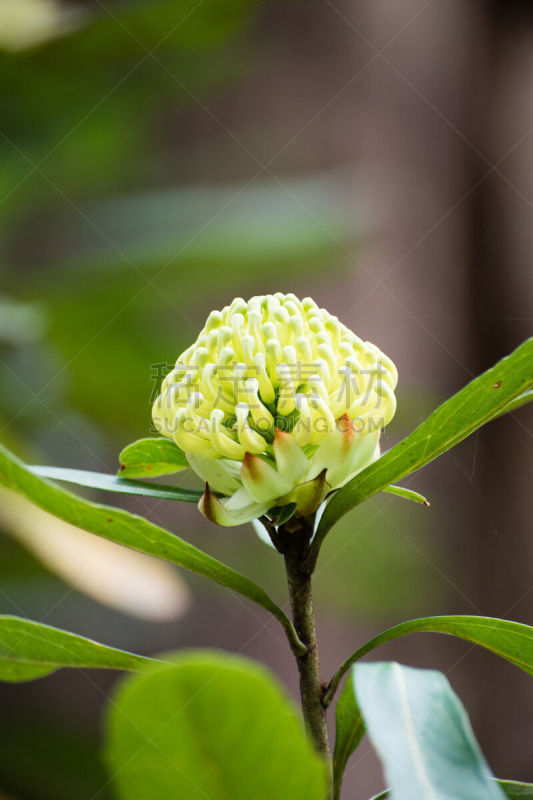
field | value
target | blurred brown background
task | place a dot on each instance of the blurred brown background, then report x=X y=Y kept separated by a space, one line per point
x=160 y=158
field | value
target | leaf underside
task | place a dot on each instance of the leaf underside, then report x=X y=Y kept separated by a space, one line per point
x=111 y=483
x=422 y=734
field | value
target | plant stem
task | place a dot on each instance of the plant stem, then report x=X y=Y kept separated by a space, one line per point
x=311 y=687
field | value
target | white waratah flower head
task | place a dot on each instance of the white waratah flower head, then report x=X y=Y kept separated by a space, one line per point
x=276 y=402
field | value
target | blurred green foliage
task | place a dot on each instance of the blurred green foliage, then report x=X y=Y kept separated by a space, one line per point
x=92 y=105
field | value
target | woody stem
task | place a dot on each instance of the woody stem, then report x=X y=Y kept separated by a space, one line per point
x=295 y=547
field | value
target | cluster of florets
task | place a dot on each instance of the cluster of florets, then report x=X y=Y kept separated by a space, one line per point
x=270 y=369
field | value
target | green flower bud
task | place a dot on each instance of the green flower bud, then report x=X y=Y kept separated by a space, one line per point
x=276 y=402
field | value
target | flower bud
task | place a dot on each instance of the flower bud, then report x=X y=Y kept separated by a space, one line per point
x=276 y=403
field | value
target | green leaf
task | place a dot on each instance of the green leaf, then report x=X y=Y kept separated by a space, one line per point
x=350 y=729
x=133 y=531
x=493 y=393
x=422 y=734
x=148 y=458
x=513 y=790
x=516 y=790
x=110 y=483
x=407 y=494
x=510 y=640
x=31 y=650
x=211 y=725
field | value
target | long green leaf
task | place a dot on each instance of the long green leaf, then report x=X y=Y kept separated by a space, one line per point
x=110 y=483
x=350 y=729
x=133 y=531
x=513 y=790
x=148 y=458
x=422 y=734
x=510 y=640
x=502 y=388
x=210 y=726
x=31 y=650
x=407 y=494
